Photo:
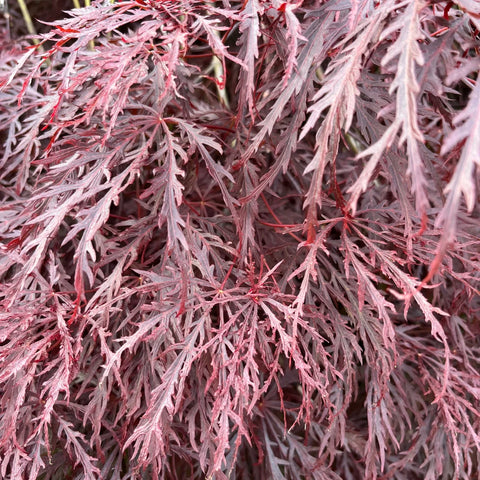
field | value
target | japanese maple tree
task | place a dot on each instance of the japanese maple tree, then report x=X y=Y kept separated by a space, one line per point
x=241 y=239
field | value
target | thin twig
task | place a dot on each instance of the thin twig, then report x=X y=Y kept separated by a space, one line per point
x=28 y=20
x=91 y=43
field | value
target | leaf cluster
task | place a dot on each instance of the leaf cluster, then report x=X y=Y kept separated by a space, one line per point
x=241 y=239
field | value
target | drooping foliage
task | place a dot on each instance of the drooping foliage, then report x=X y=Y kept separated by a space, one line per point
x=241 y=239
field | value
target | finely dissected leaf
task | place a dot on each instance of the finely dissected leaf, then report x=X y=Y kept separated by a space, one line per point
x=250 y=29
x=462 y=182
x=406 y=88
x=337 y=94
x=173 y=190
x=467 y=125
x=73 y=442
